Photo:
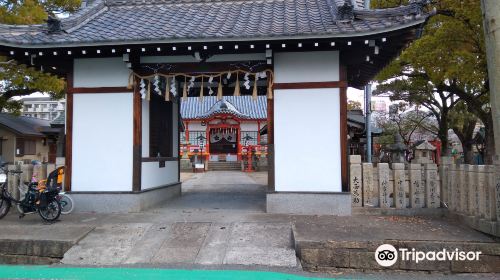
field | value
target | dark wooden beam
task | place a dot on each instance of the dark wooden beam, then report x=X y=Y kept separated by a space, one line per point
x=157 y=159
x=343 y=131
x=69 y=132
x=179 y=119
x=311 y=85
x=102 y=90
x=137 y=139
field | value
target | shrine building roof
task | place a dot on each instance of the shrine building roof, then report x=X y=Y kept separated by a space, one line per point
x=243 y=107
x=122 y=22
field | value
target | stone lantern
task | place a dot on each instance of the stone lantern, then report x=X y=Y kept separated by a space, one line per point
x=423 y=151
x=398 y=150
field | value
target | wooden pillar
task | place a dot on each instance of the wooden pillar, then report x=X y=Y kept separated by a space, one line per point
x=270 y=145
x=258 y=132
x=179 y=118
x=137 y=138
x=343 y=128
x=69 y=131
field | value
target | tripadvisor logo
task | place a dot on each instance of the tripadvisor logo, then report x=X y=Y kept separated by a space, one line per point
x=386 y=255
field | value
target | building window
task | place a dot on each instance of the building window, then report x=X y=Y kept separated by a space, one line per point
x=160 y=127
x=249 y=138
x=194 y=138
x=25 y=147
x=182 y=137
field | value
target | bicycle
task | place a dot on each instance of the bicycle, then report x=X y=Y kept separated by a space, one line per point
x=32 y=199
x=54 y=180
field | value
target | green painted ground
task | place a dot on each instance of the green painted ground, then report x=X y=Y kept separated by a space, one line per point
x=46 y=272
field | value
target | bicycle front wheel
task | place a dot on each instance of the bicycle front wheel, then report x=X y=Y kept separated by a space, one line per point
x=4 y=206
x=67 y=204
x=51 y=212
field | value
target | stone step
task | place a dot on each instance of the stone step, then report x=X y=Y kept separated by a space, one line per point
x=222 y=166
x=40 y=245
x=203 y=243
x=351 y=243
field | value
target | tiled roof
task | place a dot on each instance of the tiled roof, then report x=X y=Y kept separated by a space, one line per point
x=60 y=120
x=24 y=126
x=165 y=21
x=241 y=106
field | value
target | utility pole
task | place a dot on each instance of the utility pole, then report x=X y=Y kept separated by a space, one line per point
x=491 y=17
x=368 y=112
x=368 y=122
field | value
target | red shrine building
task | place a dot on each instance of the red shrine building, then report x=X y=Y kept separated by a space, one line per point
x=222 y=129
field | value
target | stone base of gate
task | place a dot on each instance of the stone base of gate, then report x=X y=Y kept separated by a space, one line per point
x=303 y=203
x=124 y=202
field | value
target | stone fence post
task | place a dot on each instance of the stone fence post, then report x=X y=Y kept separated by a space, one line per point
x=459 y=183
x=432 y=189
x=370 y=195
x=384 y=185
x=489 y=194
x=399 y=193
x=479 y=191
x=13 y=182
x=444 y=175
x=416 y=187
x=356 y=180
x=496 y=192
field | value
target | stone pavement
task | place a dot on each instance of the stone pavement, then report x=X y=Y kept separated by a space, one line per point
x=219 y=221
x=186 y=243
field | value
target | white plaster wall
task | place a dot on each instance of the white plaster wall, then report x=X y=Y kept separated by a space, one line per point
x=100 y=72
x=102 y=142
x=196 y=126
x=303 y=119
x=153 y=176
x=249 y=126
x=145 y=128
x=296 y=67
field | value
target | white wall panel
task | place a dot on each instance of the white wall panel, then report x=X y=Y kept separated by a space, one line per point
x=249 y=126
x=100 y=72
x=102 y=142
x=307 y=140
x=196 y=126
x=296 y=67
x=154 y=176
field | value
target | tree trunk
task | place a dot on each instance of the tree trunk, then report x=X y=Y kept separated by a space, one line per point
x=468 y=153
x=491 y=15
x=489 y=141
x=466 y=136
x=443 y=133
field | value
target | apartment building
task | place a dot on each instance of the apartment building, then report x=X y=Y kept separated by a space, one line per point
x=43 y=107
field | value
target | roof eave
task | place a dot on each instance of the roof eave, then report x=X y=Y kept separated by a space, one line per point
x=414 y=23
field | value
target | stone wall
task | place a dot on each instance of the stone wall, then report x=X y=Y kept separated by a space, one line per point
x=471 y=193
